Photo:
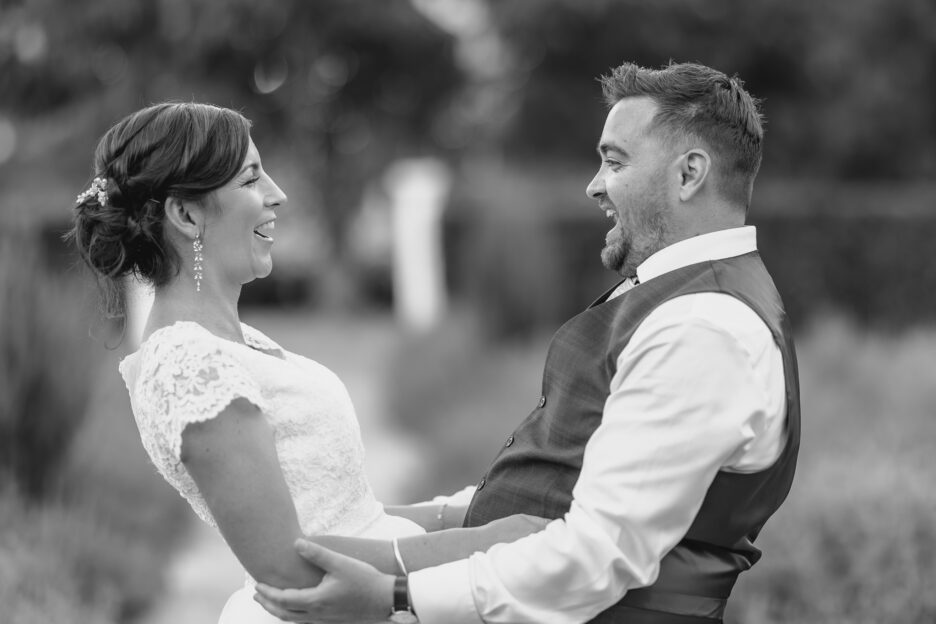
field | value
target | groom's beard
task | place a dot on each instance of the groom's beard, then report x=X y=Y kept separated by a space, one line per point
x=626 y=249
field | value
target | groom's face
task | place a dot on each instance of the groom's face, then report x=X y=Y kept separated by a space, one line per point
x=631 y=185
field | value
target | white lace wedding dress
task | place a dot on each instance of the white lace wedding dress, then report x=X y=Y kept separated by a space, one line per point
x=184 y=374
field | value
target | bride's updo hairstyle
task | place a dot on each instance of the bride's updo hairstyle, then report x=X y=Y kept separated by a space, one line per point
x=182 y=150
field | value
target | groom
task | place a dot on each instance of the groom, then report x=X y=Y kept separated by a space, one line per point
x=668 y=428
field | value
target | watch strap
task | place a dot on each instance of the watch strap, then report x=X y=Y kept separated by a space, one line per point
x=401 y=600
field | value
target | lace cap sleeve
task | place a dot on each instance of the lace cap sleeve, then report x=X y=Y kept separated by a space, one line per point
x=189 y=376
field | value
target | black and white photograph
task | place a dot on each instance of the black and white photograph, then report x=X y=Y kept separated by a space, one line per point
x=467 y=312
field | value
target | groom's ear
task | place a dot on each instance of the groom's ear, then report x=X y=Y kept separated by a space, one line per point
x=694 y=167
x=184 y=217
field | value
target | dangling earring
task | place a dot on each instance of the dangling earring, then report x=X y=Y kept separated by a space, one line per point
x=197 y=252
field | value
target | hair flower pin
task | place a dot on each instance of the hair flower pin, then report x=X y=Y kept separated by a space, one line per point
x=98 y=189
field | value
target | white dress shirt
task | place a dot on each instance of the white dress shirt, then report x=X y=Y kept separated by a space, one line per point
x=698 y=389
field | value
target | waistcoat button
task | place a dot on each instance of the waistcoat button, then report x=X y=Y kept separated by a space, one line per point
x=510 y=440
x=542 y=401
x=481 y=484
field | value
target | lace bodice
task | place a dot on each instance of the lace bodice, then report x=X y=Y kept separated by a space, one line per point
x=184 y=374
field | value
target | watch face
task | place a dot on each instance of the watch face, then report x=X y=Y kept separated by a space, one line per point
x=403 y=617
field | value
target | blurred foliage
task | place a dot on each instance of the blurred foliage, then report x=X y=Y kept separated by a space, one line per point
x=36 y=586
x=847 y=85
x=338 y=89
x=57 y=562
x=347 y=85
x=844 y=199
x=870 y=267
x=858 y=248
x=83 y=525
x=68 y=562
x=533 y=265
x=854 y=542
x=46 y=365
x=462 y=424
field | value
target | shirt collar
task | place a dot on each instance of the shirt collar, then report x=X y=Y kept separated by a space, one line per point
x=705 y=247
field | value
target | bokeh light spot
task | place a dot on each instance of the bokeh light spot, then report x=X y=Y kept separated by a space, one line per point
x=270 y=75
x=109 y=63
x=333 y=70
x=30 y=43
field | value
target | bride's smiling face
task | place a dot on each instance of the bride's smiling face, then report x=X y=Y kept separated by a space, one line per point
x=239 y=228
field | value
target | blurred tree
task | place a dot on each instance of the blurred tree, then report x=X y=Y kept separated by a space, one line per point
x=850 y=132
x=340 y=86
x=344 y=86
x=847 y=86
x=47 y=366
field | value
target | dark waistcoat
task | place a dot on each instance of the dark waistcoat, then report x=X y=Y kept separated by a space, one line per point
x=540 y=462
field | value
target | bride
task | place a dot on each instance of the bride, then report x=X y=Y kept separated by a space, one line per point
x=263 y=443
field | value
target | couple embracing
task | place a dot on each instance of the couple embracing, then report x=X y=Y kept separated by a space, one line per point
x=666 y=434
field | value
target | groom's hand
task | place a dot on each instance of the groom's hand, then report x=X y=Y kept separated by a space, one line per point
x=351 y=591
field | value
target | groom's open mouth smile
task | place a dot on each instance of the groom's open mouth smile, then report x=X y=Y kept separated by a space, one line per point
x=612 y=214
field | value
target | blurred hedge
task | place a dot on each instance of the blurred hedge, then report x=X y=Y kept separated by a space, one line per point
x=46 y=364
x=524 y=247
x=84 y=521
x=856 y=541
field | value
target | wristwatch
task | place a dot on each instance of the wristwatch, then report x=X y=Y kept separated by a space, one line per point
x=402 y=612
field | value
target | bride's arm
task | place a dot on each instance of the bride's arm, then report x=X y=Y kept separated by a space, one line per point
x=233 y=460
x=443 y=512
x=431 y=516
x=432 y=549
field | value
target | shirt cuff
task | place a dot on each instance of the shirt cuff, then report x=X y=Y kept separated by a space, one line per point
x=442 y=594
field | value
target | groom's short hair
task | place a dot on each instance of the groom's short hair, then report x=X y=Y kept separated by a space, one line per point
x=700 y=104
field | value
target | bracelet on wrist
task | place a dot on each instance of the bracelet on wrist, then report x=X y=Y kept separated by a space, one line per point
x=399 y=557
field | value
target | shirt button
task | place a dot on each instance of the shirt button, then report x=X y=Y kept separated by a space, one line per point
x=510 y=440
x=542 y=401
x=481 y=484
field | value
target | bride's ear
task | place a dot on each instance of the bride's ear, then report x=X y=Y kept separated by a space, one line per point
x=184 y=217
